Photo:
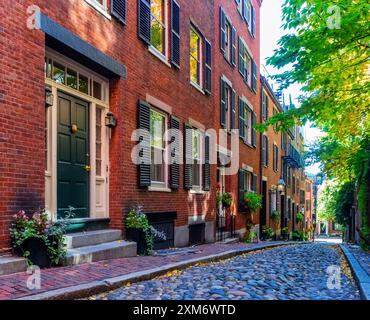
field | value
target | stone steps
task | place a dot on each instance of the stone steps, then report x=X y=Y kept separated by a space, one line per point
x=11 y=264
x=90 y=238
x=99 y=252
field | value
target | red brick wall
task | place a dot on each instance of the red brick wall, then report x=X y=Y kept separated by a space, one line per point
x=22 y=104
x=248 y=156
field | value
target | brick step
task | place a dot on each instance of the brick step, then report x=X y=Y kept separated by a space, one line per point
x=230 y=240
x=99 y=252
x=10 y=264
x=90 y=238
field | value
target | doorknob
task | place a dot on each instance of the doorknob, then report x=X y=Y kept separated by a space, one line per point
x=87 y=168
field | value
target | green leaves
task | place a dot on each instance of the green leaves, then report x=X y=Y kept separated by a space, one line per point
x=327 y=52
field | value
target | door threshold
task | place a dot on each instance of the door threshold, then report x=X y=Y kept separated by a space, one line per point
x=87 y=224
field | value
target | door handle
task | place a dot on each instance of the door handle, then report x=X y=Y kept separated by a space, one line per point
x=87 y=168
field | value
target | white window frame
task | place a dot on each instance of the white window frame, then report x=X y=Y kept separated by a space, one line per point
x=101 y=8
x=248 y=177
x=164 y=57
x=201 y=46
x=196 y=131
x=161 y=184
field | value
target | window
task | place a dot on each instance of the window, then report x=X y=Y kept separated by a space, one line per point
x=195 y=57
x=100 y=6
x=197 y=163
x=265 y=108
x=69 y=76
x=247 y=11
x=276 y=158
x=228 y=40
x=99 y=143
x=248 y=181
x=248 y=125
x=158 y=25
x=275 y=112
x=265 y=151
x=157 y=144
x=245 y=63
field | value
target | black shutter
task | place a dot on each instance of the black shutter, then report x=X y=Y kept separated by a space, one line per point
x=207 y=165
x=233 y=49
x=254 y=131
x=241 y=189
x=253 y=12
x=263 y=151
x=245 y=11
x=208 y=67
x=175 y=153
x=144 y=155
x=241 y=119
x=233 y=110
x=263 y=107
x=241 y=56
x=118 y=10
x=254 y=76
x=222 y=30
x=223 y=103
x=267 y=152
x=267 y=107
x=175 y=33
x=144 y=17
x=188 y=175
x=277 y=194
x=254 y=182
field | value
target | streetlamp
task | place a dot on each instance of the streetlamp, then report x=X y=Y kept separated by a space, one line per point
x=281 y=185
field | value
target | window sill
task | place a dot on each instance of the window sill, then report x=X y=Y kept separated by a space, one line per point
x=101 y=10
x=159 y=55
x=197 y=86
x=200 y=192
x=159 y=189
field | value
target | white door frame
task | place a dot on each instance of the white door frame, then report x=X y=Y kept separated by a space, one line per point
x=99 y=185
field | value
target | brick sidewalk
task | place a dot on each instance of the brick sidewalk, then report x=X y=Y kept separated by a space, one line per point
x=15 y=285
x=361 y=256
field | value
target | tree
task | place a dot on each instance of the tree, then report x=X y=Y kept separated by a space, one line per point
x=326 y=202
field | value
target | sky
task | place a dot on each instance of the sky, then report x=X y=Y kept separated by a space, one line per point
x=271 y=32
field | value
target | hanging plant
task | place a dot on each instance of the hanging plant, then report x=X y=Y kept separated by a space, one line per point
x=275 y=216
x=252 y=201
x=300 y=217
x=227 y=199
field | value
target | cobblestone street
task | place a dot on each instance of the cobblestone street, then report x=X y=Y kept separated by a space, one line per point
x=283 y=273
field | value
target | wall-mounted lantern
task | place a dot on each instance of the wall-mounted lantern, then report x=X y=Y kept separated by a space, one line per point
x=49 y=97
x=281 y=185
x=110 y=120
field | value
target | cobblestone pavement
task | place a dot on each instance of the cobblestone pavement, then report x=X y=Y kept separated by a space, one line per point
x=14 y=286
x=361 y=256
x=284 y=273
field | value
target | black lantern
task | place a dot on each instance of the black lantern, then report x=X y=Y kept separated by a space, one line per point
x=110 y=120
x=281 y=185
x=49 y=97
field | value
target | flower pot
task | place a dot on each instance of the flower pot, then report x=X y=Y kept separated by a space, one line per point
x=38 y=252
x=137 y=235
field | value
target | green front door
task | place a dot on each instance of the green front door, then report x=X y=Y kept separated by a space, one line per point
x=73 y=156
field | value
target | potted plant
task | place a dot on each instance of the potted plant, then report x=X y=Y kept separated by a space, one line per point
x=252 y=201
x=140 y=231
x=227 y=199
x=250 y=235
x=285 y=233
x=41 y=242
x=267 y=232
x=297 y=235
x=275 y=217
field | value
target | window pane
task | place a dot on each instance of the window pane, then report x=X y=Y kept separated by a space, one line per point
x=98 y=142
x=157 y=129
x=194 y=70
x=97 y=90
x=72 y=79
x=194 y=44
x=83 y=84
x=157 y=8
x=157 y=166
x=157 y=35
x=196 y=173
x=58 y=73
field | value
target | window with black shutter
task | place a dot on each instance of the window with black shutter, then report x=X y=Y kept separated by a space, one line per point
x=241 y=118
x=263 y=150
x=144 y=139
x=207 y=165
x=253 y=24
x=254 y=182
x=208 y=67
x=233 y=46
x=175 y=153
x=118 y=10
x=254 y=76
x=188 y=166
x=175 y=33
x=222 y=30
x=223 y=103
x=254 y=131
x=233 y=110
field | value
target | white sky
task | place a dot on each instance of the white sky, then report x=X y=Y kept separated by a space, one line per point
x=271 y=32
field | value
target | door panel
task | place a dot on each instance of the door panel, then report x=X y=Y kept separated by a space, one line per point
x=73 y=148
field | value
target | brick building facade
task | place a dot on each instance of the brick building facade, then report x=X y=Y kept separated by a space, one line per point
x=153 y=65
